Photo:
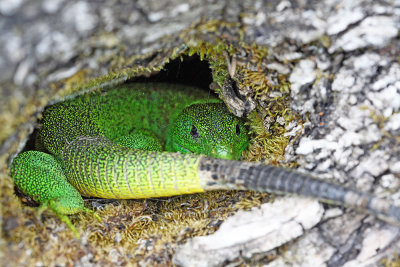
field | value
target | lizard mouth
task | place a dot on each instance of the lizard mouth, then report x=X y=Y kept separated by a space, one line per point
x=230 y=155
x=182 y=148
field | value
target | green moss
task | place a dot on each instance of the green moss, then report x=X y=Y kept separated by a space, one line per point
x=391 y=262
x=137 y=229
x=269 y=141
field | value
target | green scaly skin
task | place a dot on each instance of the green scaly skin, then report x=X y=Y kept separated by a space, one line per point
x=108 y=145
x=138 y=119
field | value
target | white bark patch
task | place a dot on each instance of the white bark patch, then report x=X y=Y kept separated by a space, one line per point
x=246 y=233
x=373 y=31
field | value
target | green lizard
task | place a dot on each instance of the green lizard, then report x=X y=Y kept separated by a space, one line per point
x=109 y=145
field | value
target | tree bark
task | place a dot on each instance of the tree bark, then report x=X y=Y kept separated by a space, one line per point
x=340 y=57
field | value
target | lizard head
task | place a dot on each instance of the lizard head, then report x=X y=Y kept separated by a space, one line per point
x=209 y=129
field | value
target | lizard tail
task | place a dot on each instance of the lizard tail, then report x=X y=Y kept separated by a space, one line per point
x=226 y=174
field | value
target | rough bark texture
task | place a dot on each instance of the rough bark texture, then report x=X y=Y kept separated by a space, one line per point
x=341 y=58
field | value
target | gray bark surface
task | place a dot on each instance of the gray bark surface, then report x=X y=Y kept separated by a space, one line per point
x=347 y=90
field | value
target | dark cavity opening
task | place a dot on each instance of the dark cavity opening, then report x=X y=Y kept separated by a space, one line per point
x=188 y=71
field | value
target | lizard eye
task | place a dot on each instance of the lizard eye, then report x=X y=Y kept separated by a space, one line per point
x=194 y=133
x=237 y=130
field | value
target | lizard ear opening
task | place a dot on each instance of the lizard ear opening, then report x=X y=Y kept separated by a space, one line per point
x=194 y=132
x=237 y=129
